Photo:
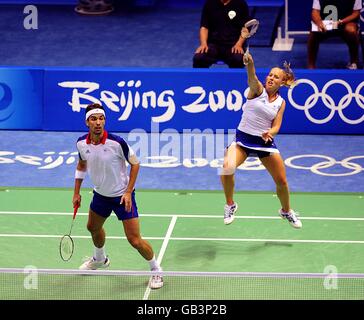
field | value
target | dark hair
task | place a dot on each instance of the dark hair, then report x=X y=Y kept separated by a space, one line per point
x=94 y=106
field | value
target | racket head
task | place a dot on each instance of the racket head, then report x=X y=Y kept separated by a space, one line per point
x=66 y=247
x=252 y=26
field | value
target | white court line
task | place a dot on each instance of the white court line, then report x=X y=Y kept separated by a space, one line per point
x=235 y=274
x=183 y=216
x=162 y=251
x=166 y=240
x=73 y=236
x=273 y=240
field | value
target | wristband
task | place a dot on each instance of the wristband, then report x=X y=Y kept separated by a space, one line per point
x=80 y=174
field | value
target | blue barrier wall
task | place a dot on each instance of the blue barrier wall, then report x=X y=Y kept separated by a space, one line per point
x=322 y=102
x=21 y=98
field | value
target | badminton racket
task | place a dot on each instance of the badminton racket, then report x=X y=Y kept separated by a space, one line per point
x=66 y=245
x=252 y=27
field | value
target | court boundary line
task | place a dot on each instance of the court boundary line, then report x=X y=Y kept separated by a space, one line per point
x=181 y=273
x=169 y=215
x=195 y=239
x=141 y=190
x=162 y=251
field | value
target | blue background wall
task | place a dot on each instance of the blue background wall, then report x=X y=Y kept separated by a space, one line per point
x=31 y=98
x=329 y=102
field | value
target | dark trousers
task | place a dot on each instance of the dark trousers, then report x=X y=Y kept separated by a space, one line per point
x=350 y=35
x=218 y=53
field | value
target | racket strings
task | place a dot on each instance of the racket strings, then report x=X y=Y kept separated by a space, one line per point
x=66 y=247
x=251 y=26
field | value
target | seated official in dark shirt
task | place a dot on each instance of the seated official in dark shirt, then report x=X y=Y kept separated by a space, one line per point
x=220 y=30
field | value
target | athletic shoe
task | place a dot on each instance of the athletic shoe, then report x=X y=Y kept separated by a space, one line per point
x=292 y=218
x=229 y=213
x=93 y=264
x=156 y=281
x=352 y=66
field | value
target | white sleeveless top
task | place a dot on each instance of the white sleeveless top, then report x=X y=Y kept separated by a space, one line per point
x=259 y=113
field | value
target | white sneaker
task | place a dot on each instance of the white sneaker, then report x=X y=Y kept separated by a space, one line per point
x=292 y=218
x=352 y=66
x=229 y=213
x=156 y=281
x=93 y=264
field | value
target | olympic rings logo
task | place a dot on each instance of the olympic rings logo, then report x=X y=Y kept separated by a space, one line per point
x=329 y=101
x=322 y=166
x=6 y=97
x=329 y=162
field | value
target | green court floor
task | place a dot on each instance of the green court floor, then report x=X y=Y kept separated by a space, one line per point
x=187 y=232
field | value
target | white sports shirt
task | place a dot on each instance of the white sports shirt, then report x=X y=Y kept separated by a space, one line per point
x=259 y=113
x=357 y=5
x=106 y=163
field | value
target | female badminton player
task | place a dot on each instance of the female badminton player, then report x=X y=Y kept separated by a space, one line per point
x=260 y=122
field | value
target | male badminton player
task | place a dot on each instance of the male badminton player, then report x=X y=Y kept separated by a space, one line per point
x=261 y=120
x=103 y=156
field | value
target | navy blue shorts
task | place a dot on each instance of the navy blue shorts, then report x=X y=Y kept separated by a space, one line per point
x=255 y=153
x=249 y=144
x=103 y=206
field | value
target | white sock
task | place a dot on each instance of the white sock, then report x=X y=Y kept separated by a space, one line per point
x=99 y=254
x=154 y=265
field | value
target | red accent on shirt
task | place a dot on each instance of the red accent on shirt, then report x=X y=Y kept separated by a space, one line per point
x=103 y=139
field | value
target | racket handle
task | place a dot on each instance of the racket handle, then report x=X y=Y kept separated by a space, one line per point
x=246 y=56
x=75 y=208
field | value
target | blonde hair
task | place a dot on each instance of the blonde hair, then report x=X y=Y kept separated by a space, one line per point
x=289 y=79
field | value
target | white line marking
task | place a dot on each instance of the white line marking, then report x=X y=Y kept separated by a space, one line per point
x=272 y=240
x=43 y=213
x=194 y=239
x=166 y=239
x=247 y=274
x=60 y=236
x=182 y=216
x=162 y=251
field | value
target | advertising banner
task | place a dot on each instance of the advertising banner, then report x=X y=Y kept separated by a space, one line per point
x=330 y=102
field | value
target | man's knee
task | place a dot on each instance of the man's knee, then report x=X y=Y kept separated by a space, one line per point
x=236 y=61
x=351 y=29
x=135 y=241
x=92 y=228
x=200 y=60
